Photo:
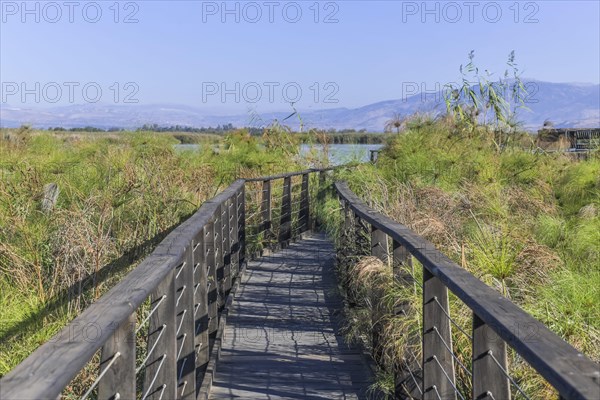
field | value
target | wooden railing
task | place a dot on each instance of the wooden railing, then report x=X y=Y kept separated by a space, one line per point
x=280 y=209
x=496 y=322
x=157 y=333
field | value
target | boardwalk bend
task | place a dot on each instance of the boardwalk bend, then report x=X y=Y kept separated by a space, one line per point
x=241 y=301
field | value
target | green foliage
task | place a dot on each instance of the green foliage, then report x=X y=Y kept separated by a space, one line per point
x=550 y=230
x=481 y=100
x=520 y=167
x=569 y=307
x=494 y=253
x=583 y=243
x=343 y=137
x=579 y=185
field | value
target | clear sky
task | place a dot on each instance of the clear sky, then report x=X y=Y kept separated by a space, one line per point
x=227 y=56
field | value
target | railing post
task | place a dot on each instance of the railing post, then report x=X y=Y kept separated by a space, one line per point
x=235 y=238
x=402 y=257
x=348 y=218
x=379 y=246
x=219 y=256
x=488 y=379
x=285 y=228
x=242 y=226
x=438 y=365
x=379 y=249
x=321 y=195
x=185 y=332
x=201 y=341
x=226 y=207
x=347 y=251
x=213 y=288
x=304 y=205
x=373 y=156
x=265 y=211
x=361 y=237
x=349 y=236
x=161 y=366
x=119 y=381
x=322 y=178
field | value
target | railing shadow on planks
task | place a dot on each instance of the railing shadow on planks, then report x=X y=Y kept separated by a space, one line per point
x=496 y=321
x=157 y=333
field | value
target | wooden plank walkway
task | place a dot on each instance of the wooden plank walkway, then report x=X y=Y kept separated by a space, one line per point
x=282 y=336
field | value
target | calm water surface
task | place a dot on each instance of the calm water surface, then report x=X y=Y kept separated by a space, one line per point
x=338 y=153
x=344 y=153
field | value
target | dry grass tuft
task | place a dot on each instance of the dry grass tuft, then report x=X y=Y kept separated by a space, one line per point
x=535 y=263
x=81 y=245
x=524 y=203
x=590 y=211
x=367 y=278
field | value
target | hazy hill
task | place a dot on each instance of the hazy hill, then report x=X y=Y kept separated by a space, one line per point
x=565 y=104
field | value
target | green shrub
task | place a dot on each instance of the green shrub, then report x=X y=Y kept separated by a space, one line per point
x=550 y=230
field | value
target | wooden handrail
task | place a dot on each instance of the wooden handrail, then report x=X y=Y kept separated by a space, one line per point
x=298 y=173
x=570 y=372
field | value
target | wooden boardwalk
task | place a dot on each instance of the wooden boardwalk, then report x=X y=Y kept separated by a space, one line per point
x=282 y=337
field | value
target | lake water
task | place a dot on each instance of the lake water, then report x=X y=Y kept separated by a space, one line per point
x=185 y=147
x=338 y=153
x=344 y=153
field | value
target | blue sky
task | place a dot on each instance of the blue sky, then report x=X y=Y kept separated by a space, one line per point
x=227 y=57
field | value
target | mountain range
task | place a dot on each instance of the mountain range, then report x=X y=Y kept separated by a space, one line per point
x=566 y=105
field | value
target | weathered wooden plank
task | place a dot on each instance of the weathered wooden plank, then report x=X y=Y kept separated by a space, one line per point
x=118 y=381
x=549 y=355
x=289 y=346
x=488 y=379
